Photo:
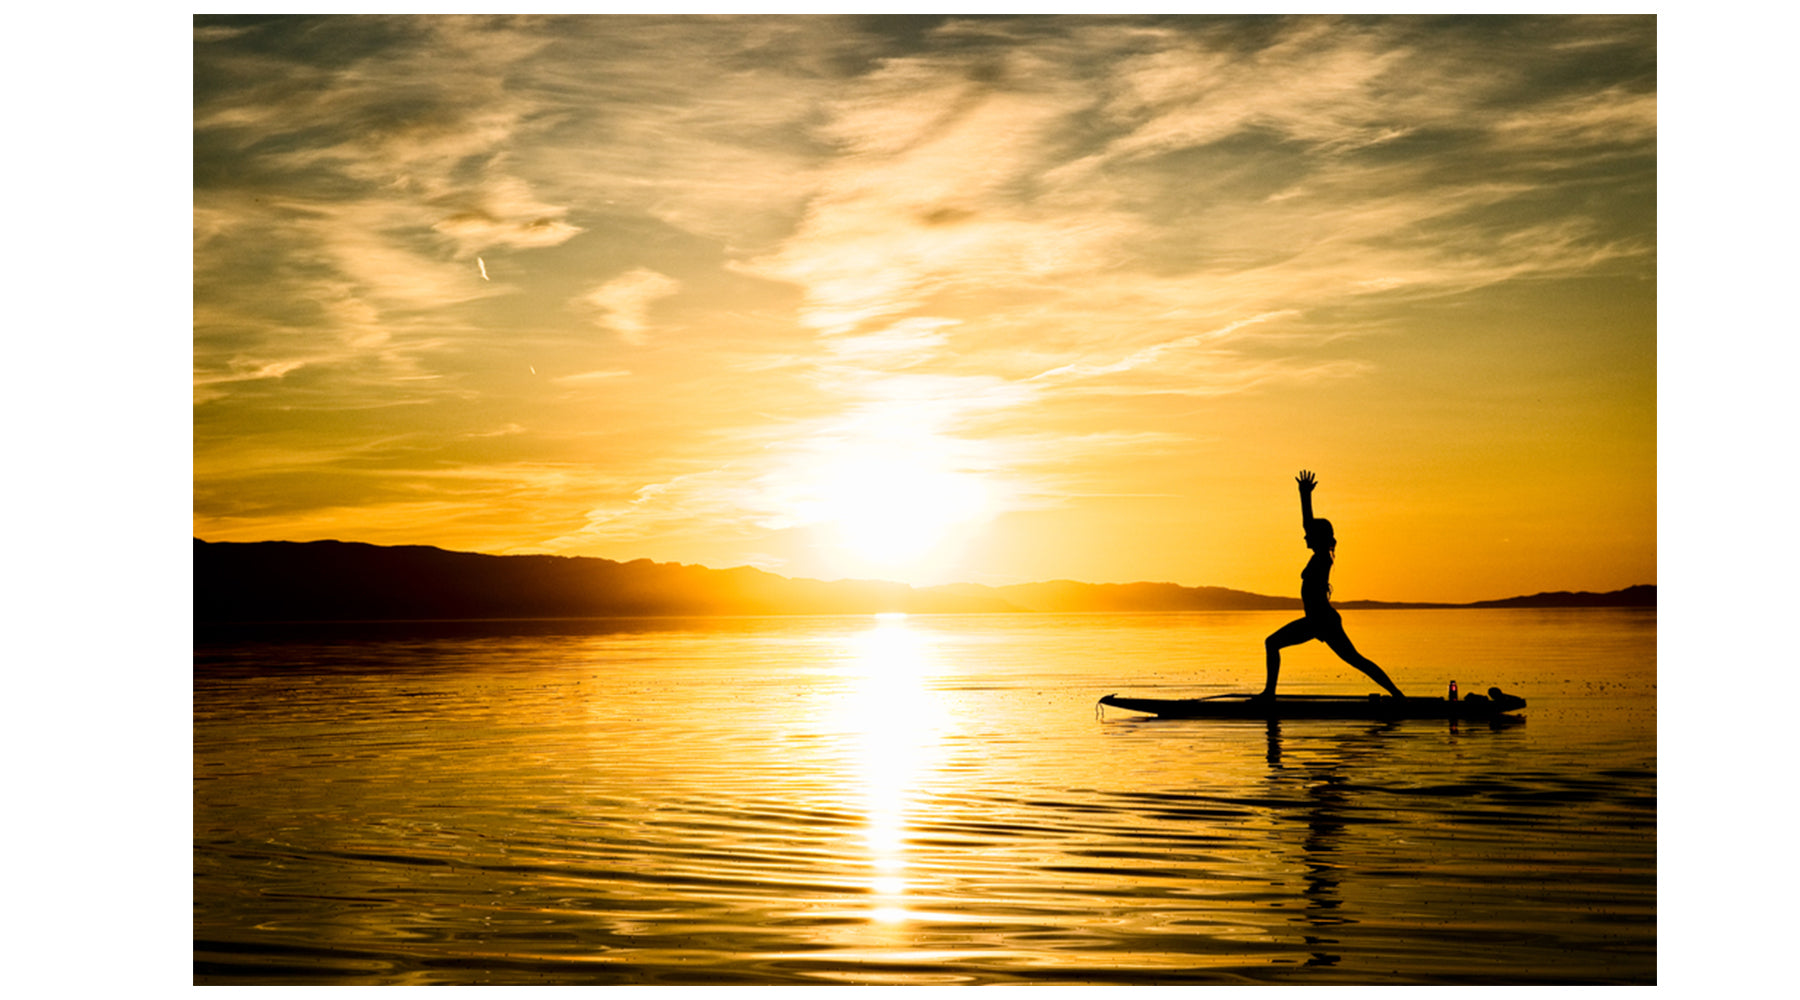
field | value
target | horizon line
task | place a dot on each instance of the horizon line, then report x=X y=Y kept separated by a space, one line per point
x=937 y=586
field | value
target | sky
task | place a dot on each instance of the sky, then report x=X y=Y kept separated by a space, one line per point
x=935 y=299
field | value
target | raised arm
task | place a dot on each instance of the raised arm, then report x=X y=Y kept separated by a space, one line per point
x=1307 y=482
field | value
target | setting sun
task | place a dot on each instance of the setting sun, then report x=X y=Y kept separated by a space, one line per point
x=891 y=504
x=893 y=508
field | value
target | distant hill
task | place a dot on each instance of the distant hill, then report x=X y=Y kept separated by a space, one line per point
x=1067 y=595
x=353 y=581
x=1640 y=596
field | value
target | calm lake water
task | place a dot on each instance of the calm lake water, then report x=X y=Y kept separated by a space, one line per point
x=917 y=800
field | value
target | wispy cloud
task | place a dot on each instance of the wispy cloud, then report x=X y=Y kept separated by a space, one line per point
x=589 y=378
x=623 y=304
x=1154 y=356
x=910 y=340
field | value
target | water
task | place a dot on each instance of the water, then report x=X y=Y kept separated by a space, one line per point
x=917 y=800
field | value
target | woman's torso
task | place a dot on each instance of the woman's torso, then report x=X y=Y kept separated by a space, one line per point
x=1315 y=585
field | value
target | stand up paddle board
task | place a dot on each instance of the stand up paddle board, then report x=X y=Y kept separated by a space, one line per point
x=1322 y=706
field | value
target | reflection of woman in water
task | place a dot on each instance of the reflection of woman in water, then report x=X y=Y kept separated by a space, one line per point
x=1321 y=621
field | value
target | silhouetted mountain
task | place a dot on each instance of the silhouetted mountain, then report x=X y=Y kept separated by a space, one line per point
x=353 y=581
x=1067 y=595
x=1640 y=596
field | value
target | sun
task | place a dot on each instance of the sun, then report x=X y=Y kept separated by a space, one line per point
x=895 y=507
x=897 y=502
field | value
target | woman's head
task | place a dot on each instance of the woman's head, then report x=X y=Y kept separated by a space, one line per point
x=1319 y=535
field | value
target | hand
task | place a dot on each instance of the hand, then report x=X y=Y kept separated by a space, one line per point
x=1307 y=481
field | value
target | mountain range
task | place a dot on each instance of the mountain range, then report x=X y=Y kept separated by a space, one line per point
x=354 y=581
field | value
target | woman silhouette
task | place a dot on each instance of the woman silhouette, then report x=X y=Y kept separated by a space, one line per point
x=1321 y=621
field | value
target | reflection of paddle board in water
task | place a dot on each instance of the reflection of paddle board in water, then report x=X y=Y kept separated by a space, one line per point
x=1323 y=706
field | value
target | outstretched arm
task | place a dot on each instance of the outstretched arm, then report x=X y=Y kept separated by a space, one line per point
x=1308 y=482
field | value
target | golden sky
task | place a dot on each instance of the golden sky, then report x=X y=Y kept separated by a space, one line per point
x=937 y=299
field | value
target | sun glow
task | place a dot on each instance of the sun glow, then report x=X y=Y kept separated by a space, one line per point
x=891 y=500
x=891 y=507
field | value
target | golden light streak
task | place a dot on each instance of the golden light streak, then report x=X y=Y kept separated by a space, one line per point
x=893 y=714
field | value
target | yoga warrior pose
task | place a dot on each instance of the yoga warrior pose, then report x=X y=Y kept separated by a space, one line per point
x=1321 y=621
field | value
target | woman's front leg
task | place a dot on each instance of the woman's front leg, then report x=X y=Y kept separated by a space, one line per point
x=1292 y=634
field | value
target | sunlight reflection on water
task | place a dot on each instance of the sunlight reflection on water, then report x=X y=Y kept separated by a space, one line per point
x=896 y=719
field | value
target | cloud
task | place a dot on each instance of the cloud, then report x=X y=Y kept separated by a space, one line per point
x=502 y=212
x=1154 y=355
x=931 y=193
x=722 y=503
x=911 y=340
x=341 y=167
x=210 y=385
x=1319 y=81
x=963 y=173
x=218 y=33
x=590 y=378
x=290 y=284
x=623 y=304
